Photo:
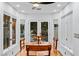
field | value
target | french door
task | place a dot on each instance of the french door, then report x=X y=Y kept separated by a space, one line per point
x=33 y=30
x=39 y=29
x=44 y=30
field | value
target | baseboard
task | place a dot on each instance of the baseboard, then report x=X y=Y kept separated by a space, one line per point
x=60 y=53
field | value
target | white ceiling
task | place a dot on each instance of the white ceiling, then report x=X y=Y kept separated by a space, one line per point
x=26 y=7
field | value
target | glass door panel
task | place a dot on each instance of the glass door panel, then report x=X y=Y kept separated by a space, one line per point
x=13 y=31
x=56 y=30
x=22 y=30
x=33 y=30
x=6 y=31
x=44 y=31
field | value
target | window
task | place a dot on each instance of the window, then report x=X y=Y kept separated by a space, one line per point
x=6 y=31
x=44 y=30
x=22 y=30
x=13 y=31
x=33 y=30
x=56 y=30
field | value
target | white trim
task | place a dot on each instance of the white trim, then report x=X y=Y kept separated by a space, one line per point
x=9 y=48
x=67 y=48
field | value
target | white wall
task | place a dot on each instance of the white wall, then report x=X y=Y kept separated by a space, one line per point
x=69 y=29
x=76 y=28
x=7 y=9
x=65 y=31
x=1 y=34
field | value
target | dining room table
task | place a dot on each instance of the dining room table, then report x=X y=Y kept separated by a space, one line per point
x=38 y=53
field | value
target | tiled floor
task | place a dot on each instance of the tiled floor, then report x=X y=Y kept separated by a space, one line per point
x=39 y=53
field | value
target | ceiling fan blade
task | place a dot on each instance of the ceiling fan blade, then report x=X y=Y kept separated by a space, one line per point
x=46 y=2
x=42 y=2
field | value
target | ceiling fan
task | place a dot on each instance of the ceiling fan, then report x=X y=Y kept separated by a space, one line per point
x=36 y=4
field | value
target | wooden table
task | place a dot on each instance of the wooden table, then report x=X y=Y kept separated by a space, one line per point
x=44 y=46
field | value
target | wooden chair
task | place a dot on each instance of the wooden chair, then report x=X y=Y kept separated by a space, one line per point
x=22 y=44
x=38 y=48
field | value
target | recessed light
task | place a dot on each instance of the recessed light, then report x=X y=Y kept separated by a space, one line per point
x=17 y=5
x=58 y=5
x=22 y=11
